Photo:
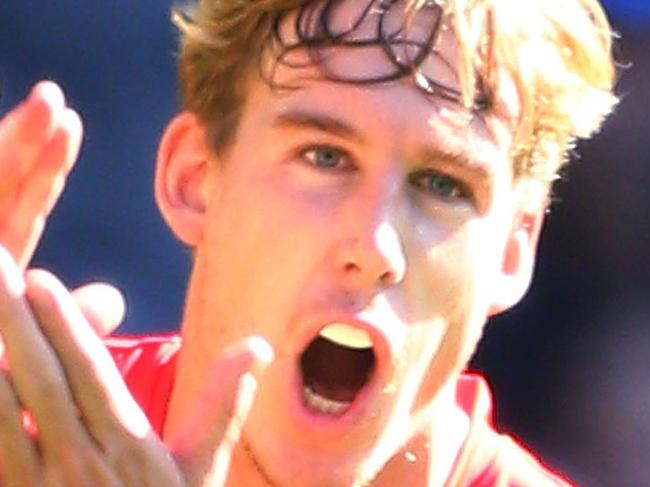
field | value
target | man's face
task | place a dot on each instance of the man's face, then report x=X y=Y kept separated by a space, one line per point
x=373 y=216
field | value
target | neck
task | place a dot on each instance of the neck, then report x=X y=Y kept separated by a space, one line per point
x=195 y=364
x=188 y=385
x=431 y=445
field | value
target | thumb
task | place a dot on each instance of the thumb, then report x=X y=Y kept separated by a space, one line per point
x=203 y=444
x=102 y=305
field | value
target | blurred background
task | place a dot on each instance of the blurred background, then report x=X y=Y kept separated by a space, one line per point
x=570 y=366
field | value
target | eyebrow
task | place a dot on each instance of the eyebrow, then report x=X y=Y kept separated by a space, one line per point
x=460 y=159
x=437 y=150
x=317 y=121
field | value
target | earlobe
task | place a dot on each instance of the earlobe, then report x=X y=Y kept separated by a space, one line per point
x=518 y=260
x=181 y=177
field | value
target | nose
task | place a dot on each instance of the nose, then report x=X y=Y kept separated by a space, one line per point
x=371 y=252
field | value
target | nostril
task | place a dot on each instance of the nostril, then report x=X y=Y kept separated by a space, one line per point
x=387 y=278
x=351 y=267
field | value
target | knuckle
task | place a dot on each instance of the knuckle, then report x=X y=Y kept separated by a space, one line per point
x=139 y=462
x=124 y=453
x=70 y=465
x=129 y=461
x=49 y=386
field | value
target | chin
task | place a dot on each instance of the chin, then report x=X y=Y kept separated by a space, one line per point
x=322 y=411
x=286 y=465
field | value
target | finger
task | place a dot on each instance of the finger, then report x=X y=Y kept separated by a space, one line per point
x=24 y=130
x=19 y=457
x=38 y=379
x=203 y=445
x=45 y=180
x=102 y=305
x=110 y=415
x=101 y=395
x=58 y=155
x=37 y=193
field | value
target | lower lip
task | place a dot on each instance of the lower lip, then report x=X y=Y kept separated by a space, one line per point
x=325 y=424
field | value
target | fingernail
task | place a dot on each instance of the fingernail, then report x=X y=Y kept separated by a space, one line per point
x=262 y=350
x=49 y=91
x=71 y=119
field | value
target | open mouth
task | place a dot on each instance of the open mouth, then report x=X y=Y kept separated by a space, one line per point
x=335 y=366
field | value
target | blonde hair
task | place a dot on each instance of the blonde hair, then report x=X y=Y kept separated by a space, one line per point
x=556 y=52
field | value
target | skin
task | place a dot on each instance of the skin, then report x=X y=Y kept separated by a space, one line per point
x=39 y=143
x=90 y=430
x=285 y=243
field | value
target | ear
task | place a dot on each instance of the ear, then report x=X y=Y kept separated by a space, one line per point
x=518 y=258
x=181 y=177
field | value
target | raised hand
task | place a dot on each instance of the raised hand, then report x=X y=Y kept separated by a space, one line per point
x=205 y=441
x=39 y=143
x=90 y=430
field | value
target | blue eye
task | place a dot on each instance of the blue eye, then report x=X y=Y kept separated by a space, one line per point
x=438 y=184
x=326 y=157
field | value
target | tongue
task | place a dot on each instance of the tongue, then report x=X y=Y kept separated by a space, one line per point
x=334 y=371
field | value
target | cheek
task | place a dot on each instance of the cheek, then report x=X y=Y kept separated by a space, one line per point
x=449 y=293
x=451 y=273
x=260 y=248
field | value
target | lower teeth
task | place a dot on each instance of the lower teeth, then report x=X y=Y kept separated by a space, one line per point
x=323 y=404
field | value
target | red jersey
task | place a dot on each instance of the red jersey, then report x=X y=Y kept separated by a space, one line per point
x=486 y=459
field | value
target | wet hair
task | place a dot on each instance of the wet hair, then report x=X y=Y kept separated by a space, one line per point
x=557 y=53
x=314 y=32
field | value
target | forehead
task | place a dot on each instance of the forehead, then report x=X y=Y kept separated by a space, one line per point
x=372 y=41
x=380 y=44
